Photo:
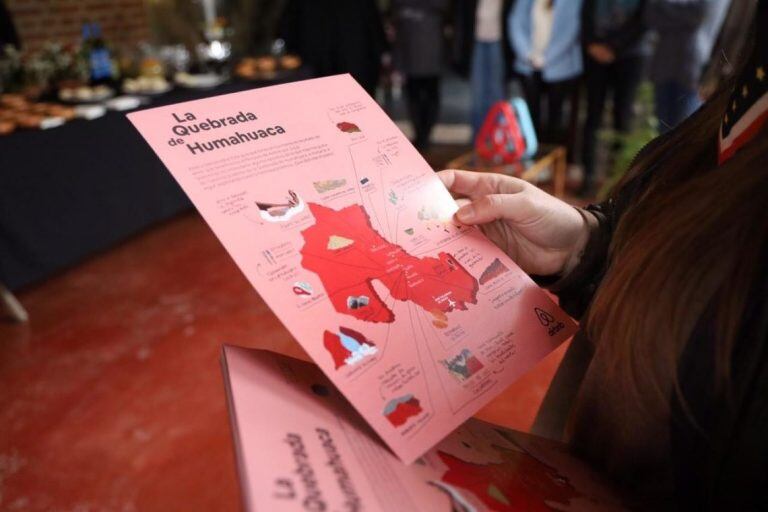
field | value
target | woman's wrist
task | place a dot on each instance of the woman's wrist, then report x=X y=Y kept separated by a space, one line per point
x=588 y=226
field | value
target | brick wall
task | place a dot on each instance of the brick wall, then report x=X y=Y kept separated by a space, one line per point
x=123 y=22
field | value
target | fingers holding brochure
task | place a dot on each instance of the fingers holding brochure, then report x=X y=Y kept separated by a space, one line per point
x=537 y=230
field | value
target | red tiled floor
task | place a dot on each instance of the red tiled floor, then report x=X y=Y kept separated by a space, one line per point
x=111 y=397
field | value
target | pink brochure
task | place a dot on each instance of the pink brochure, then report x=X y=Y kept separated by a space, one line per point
x=300 y=446
x=346 y=233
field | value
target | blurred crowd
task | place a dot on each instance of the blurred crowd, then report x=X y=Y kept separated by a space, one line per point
x=569 y=59
x=556 y=51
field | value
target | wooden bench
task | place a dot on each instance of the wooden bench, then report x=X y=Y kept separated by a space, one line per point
x=553 y=158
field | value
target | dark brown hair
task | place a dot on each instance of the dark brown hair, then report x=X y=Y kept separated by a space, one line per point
x=690 y=245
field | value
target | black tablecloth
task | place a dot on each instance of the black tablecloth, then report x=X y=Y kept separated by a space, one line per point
x=68 y=192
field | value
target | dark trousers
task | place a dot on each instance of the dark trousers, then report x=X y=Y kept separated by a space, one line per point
x=674 y=102
x=423 y=96
x=620 y=80
x=548 y=97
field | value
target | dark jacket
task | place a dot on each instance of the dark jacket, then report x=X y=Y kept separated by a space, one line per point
x=464 y=18
x=419 y=42
x=686 y=31
x=336 y=36
x=623 y=29
x=721 y=464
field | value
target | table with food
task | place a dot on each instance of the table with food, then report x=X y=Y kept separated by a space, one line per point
x=64 y=141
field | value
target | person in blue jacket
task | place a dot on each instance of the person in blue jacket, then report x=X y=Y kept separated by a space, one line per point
x=545 y=38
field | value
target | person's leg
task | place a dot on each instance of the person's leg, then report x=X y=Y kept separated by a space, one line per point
x=674 y=102
x=414 y=96
x=479 y=84
x=546 y=132
x=626 y=79
x=597 y=82
x=663 y=95
x=557 y=94
x=494 y=91
x=487 y=81
x=688 y=102
x=432 y=106
x=532 y=93
x=477 y=78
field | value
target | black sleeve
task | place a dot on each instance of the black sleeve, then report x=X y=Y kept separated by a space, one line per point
x=588 y=23
x=576 y=289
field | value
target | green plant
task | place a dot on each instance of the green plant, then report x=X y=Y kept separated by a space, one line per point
x=628 y=145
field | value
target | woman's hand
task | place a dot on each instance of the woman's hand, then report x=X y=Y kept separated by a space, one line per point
x=543 y=234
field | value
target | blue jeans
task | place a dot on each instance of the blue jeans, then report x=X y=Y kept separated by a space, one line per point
x=486 y=80
x=674 y=103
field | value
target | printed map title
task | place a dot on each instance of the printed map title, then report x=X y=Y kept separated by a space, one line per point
x=187 y=125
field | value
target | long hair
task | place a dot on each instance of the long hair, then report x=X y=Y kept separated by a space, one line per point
x=689 y=246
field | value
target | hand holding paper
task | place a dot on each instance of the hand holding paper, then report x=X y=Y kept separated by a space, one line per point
x=348 y=235
x=541 y=233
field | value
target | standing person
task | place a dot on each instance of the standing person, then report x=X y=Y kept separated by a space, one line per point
x=545 y=39
x=612 y=34
x=418 y=55
x=685 y=39
x=336 y=36
x=483 y=53
x=8 y=34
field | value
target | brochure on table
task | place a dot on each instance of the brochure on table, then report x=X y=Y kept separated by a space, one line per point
x=300 y=446
x=347 y=234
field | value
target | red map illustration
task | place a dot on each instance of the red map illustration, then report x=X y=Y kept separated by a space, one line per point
x=347 y=253
x=400 y=409
x=521 y=482
x=347 y=127
x=347 y=346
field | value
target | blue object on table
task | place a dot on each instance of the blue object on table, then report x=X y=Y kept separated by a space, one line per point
x=526 y=126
